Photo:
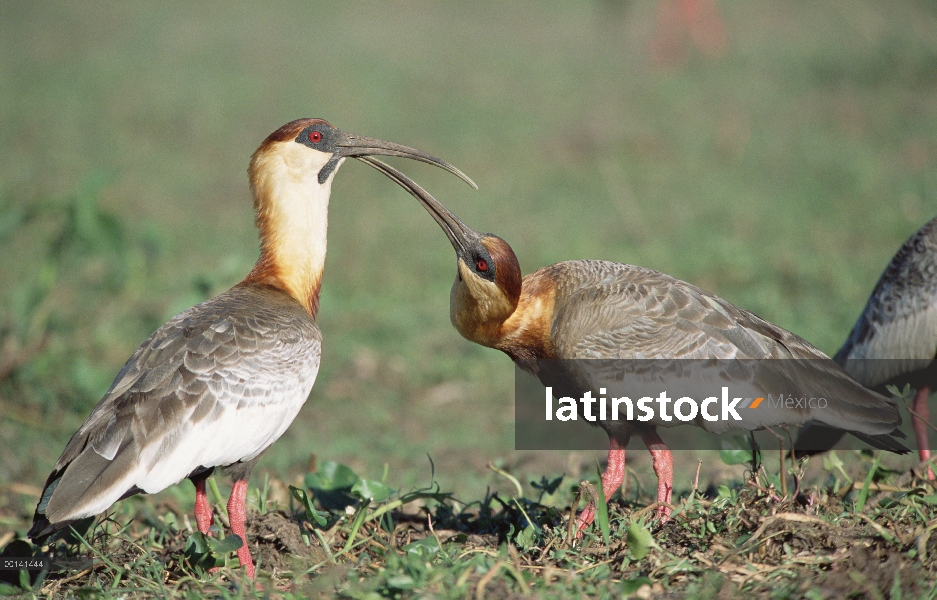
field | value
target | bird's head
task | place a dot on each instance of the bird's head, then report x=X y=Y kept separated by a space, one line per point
x=488 y=278
x=308 y=152
x=487 y=285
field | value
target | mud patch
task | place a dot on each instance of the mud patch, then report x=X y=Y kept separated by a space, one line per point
x=276 y=539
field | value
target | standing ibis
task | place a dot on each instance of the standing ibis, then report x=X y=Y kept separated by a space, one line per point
x=895 y=339
x=220 y=382
x=589 y=309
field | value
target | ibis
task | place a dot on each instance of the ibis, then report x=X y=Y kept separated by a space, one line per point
x=894 y=341
x=218 y=383
x=591 y=309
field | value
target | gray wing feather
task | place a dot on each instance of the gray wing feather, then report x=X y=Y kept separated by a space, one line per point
x=608 y=310
x=611 y=310
x=249 y=348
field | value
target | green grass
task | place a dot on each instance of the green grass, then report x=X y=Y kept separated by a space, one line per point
x=782 y=176
x=873 y=540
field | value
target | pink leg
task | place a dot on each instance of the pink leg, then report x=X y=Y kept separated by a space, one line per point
x=611 y=480
x=237 y=514
x=203 y=513
x=663 y=467
x=919 y=423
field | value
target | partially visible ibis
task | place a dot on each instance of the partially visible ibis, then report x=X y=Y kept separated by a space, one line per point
x=895 y=339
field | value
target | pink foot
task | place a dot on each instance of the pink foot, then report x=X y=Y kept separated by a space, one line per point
x=919 y=424
x=203 y=512
x=237 y=515
x=663 y=467
x=611 y=480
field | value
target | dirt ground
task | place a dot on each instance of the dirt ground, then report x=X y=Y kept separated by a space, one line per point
x=723 y=543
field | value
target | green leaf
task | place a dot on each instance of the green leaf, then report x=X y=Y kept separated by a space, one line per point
x=601 y=510
x=526 y=538
x=774 y=479
x=832 y=461
x=305 y=501
x=546 y=486
x=25 y=583
x=375 y=490
x=630 y=586
x=205 y=552
x=639 y=539
x=197 y=543
x=424 y=548
x=401 y=582
x=9 y=590
x=896 y=592
x=736 y=450
x=905 y=394
x=227 y=545
x=356 y=523
x=331 y=476
x=889 y=502
x=864 y=492
x=530 y=535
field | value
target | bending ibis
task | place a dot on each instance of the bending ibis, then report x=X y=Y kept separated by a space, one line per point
x=895 y=339
x=220 y=382
x=590 y=309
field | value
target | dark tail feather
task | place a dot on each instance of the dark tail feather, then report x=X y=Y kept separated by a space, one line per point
x=42 y=527
x=814 y=439
x=43 y=531
x=882 y=442
x=40 y=530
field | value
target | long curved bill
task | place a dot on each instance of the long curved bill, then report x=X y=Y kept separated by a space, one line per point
x=458 y=232
x=360 y=147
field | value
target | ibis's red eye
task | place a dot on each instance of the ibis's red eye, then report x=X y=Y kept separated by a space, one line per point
x=315 y=136
x=482 y=265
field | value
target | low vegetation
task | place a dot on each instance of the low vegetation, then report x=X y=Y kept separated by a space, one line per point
x=338 y=535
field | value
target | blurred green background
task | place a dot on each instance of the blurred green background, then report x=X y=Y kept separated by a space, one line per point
x=775 y=153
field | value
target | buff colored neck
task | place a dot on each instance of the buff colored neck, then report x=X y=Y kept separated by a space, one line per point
x=521 y=331
x=526 y=333
x=292 y=215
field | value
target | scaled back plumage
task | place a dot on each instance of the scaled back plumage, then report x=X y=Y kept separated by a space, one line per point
x=210 y=371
